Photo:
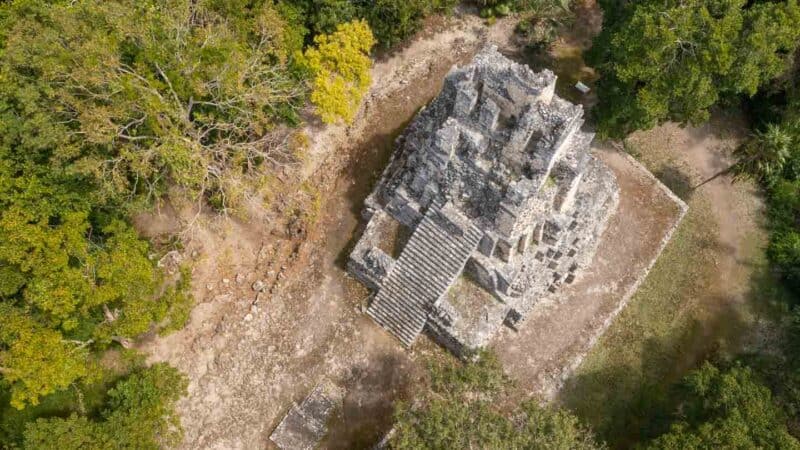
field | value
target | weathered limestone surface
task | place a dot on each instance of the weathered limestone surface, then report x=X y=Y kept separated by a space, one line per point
x=306 y=424
x=495 y=179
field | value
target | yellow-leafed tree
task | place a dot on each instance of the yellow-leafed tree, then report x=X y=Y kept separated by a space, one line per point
x=340 y=66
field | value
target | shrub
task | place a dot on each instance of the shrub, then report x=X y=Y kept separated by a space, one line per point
x=340 y=66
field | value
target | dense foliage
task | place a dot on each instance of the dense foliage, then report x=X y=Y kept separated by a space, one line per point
x=340 y=64
x=139 y=414
x=391 y=21
x=129 y=96
x=105 y=106
x=674 y=60
x=726 y=409
x=460 y=410
x=783 y=185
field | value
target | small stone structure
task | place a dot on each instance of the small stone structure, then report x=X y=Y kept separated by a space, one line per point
x=492 y=180
x=307 y=423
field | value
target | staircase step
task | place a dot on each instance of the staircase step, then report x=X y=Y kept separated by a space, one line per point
x=430 y=262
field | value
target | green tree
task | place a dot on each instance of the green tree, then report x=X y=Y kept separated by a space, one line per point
x=34 y=360
x=673 y=61
x=726 y=409
x=460 y=411
x=139 y=415
x=765 y=156
x=134 y=95
x=340 y=64
x=784 y=245
x=392 y=21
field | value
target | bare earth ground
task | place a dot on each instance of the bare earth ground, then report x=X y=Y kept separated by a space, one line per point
x=554 y=339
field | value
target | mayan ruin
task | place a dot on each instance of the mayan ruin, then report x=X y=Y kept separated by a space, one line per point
x=491 y=184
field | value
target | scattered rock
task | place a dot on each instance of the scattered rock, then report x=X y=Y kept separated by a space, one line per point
x=240 y=278
x=225 y=281
x=259 y=285
x=248 y=318
x=171 y=261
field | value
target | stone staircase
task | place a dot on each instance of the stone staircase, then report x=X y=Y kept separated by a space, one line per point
x=430 y=262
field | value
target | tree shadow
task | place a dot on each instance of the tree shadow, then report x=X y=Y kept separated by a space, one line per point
x=676 y=180
x=628 y=403
x=362 y=173
x=368 y=407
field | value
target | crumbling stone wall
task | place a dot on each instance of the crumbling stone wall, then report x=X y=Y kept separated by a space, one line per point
x=505 y=156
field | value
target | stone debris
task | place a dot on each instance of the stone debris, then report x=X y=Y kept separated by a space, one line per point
x=259 y=285
x=493 y=180
x=171 y=262
x=306 y=424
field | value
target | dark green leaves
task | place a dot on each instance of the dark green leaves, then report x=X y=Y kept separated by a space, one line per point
x=674 y=61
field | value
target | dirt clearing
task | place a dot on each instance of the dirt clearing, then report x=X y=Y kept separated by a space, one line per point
x=249 y=355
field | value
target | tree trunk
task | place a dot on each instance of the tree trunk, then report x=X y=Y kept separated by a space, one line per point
x=124 y=342
x=714 y=177
x=110 y=317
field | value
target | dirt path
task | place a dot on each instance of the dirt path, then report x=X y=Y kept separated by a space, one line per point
x=737 y=209
x=686 y=156
x=248 y=356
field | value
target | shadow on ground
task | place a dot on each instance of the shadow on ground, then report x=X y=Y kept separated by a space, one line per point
x=629 y=404
x=367 y=409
